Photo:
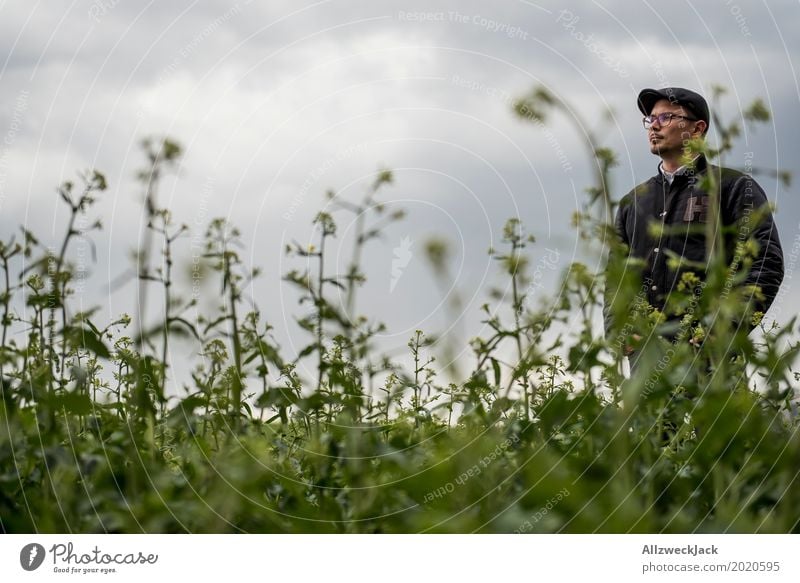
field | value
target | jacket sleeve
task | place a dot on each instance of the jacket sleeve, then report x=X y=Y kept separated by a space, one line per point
x=622 y=237
x=750 y=210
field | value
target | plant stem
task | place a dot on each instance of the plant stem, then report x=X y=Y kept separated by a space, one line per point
x=237 y=343
x=320 y=310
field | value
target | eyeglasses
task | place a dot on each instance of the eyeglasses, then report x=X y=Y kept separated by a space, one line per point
x=663 y=119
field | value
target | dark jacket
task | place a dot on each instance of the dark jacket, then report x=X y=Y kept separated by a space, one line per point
x=683 y=206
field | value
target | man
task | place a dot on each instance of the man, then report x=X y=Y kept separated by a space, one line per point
x=674 y=118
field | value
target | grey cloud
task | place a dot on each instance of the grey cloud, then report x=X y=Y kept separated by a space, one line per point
x=263 y=99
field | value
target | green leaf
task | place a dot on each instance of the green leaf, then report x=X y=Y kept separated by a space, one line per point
x=86 y=339
x=496 y=367
x=74 y=403
x=188 y=326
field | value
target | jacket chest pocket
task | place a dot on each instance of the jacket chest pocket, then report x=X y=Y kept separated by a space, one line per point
x=693 y=209
x=688 y=237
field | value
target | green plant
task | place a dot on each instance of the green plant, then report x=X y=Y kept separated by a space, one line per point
x=533 y=437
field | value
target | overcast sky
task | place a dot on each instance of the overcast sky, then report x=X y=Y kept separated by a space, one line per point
x=276 y=102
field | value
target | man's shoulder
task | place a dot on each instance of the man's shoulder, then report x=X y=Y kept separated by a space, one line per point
x=735 y=185
x=727 y=175
x=639 y=190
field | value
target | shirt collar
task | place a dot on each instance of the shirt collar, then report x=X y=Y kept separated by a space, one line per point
x=670 y=176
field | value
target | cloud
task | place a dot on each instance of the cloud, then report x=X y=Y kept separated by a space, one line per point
x=275 y=103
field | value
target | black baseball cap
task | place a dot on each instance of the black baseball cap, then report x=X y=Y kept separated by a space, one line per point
x=693 y=102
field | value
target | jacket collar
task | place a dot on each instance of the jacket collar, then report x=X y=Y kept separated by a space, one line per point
x=700 y=166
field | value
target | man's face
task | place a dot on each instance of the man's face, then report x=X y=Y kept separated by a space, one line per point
x=668 y=140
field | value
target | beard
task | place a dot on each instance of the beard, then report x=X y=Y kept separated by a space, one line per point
x=660 y=147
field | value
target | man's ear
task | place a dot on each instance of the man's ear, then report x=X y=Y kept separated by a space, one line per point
x=701 y=127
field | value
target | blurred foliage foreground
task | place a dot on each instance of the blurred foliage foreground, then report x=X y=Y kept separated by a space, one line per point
x=536 y=437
